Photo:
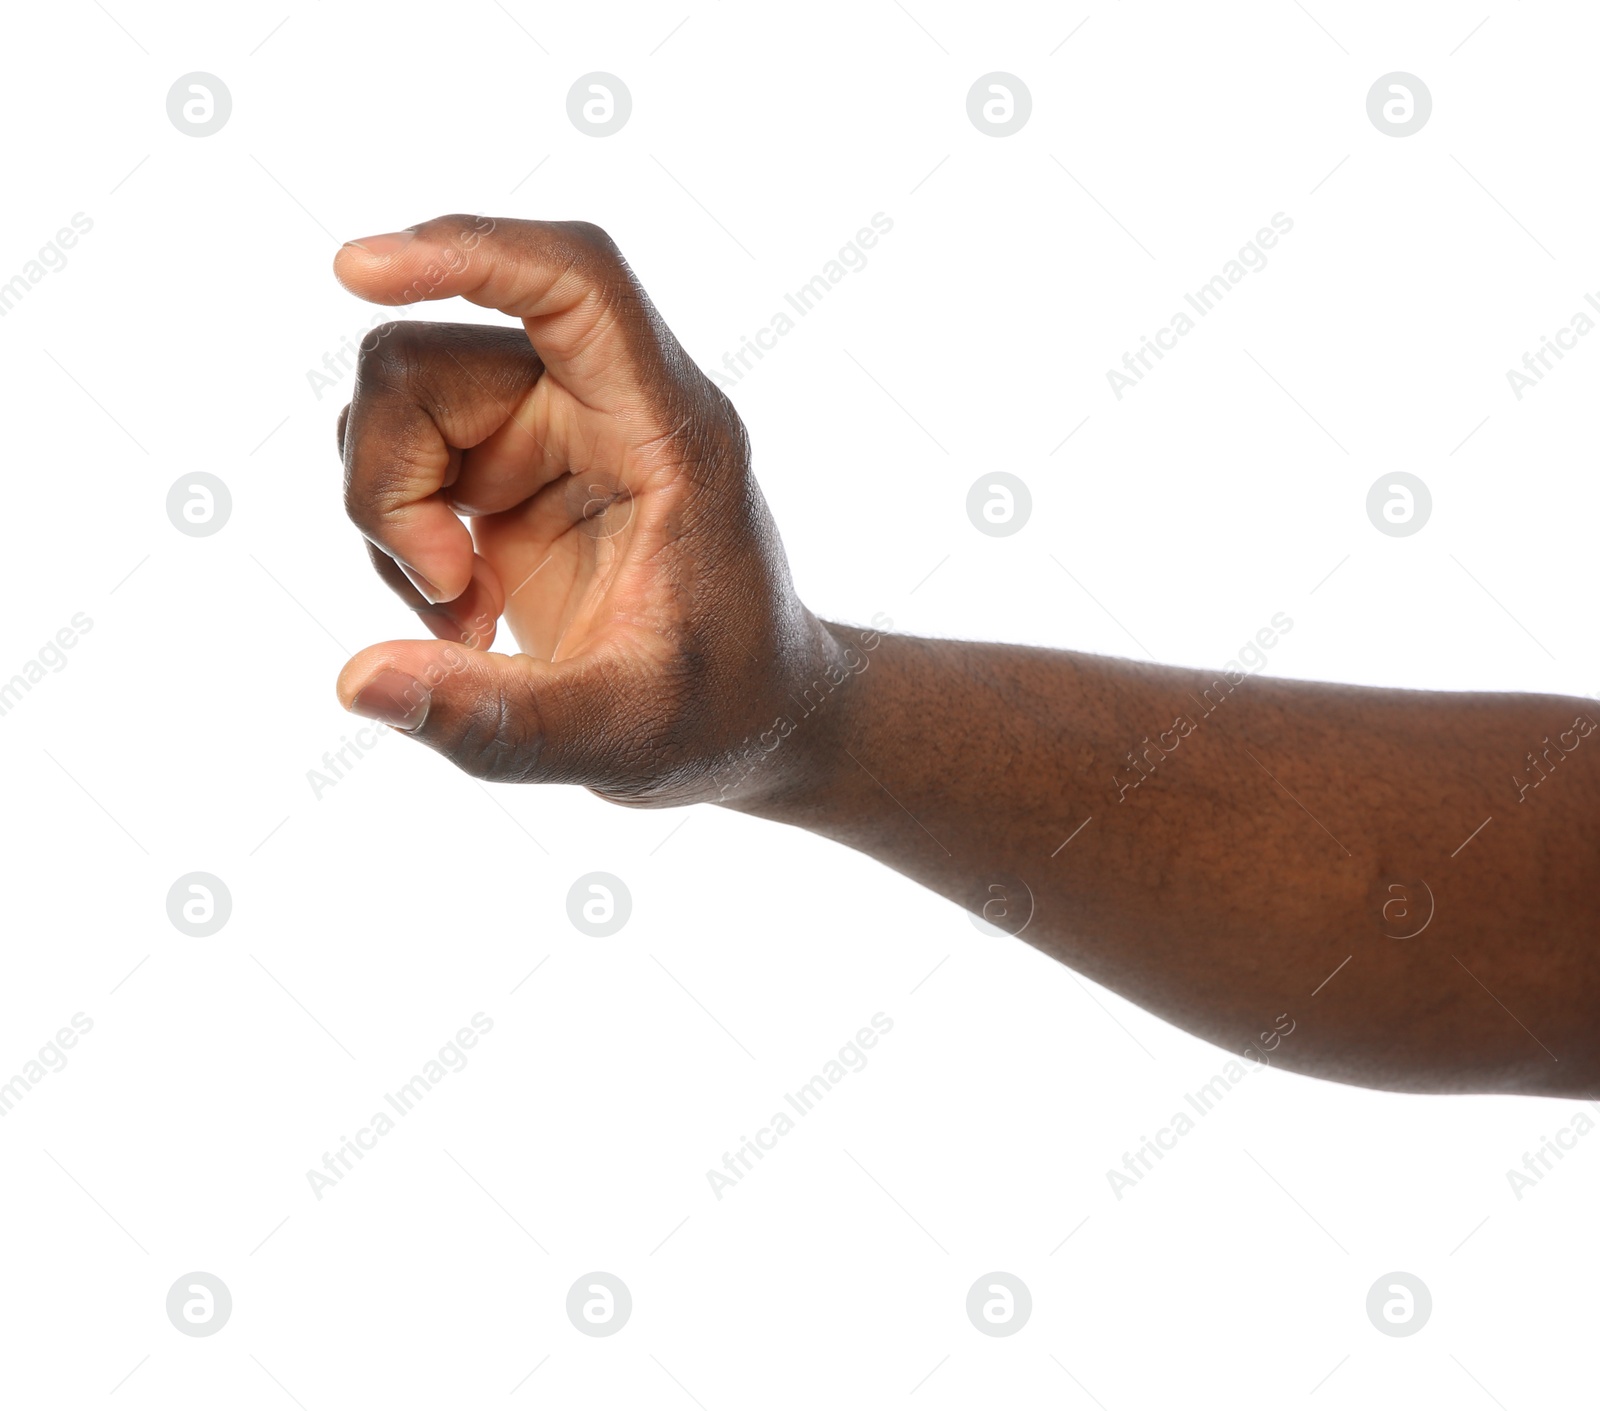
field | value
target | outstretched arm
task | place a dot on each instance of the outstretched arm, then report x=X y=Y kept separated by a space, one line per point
x=1236 y=854
x=1234 y=842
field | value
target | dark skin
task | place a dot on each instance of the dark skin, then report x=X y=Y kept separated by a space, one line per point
x=1255 y=851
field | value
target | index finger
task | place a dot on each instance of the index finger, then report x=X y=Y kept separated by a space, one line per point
x=591 y=323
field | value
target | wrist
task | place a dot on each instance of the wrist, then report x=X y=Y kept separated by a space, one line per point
x=795 y=766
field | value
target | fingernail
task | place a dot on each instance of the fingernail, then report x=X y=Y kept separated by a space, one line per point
x=394 y=698
x=384 y=244
x=421 y=584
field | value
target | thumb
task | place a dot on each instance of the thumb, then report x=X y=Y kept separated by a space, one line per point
x=507 y=719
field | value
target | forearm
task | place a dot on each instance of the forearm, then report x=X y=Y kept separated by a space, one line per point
x=1233 y=841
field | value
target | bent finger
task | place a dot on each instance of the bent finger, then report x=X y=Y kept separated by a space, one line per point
x=583 y=309
x=423 y=394
x=472 y=618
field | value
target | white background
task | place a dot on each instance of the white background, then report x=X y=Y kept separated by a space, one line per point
x=1223 y=489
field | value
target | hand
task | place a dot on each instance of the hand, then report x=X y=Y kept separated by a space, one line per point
x=610 y=518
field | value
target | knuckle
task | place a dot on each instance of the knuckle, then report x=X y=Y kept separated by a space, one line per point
x=592 y=252
x=387 y=352
x=591 y=236
x=372 y=495
x=723 y=420
x=492 y=739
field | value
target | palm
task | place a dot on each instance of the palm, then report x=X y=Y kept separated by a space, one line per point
x=578 y=558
